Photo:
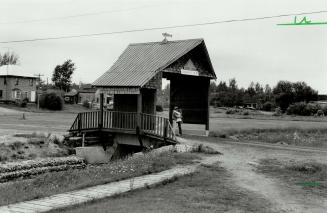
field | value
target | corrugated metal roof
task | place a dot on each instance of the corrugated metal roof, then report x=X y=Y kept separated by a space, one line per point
x=140 y=62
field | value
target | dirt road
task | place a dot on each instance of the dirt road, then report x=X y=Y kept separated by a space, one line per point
x=241 y=160
x=36 y=122
x=5 y=111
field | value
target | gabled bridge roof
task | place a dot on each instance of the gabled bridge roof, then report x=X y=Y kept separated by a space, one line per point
x=140 y=62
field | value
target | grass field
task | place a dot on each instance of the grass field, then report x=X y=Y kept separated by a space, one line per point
x=208 y=190
x=267 y=129
x=305 y=177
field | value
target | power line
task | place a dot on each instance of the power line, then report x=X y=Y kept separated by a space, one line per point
x=161 y=28
x=73 y=16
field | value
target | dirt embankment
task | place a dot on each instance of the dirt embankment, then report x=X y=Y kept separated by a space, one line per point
x=31 y=146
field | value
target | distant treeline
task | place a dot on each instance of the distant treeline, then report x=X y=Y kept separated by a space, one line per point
x=265 y=97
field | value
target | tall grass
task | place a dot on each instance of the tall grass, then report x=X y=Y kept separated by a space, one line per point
x=308 y=175
x=294 y=136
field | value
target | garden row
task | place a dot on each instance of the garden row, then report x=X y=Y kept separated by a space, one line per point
x=28 y=168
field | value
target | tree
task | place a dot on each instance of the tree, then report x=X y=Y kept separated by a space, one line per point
x=227 y=95
x=303 y=92
x=222 y=86
x=287 y=93
x=62 y=75
x=9 y=58
x=232 y=84
x=284 y=94
x=213 y=87
x=268 y=95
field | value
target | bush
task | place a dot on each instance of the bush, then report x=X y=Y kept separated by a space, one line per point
x=312 y=108
x=86 y=104
x=23 y=103
x=303 y=109
x=278 y=112
x=51 y=101
x=320 y=113
x=231 y=111
x=159 y=108
x=268 y=106
x=246 y=113
x=324 y=109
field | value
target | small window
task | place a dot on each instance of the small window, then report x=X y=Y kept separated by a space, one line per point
x=5 y=81
x=0 y=93
x=31 y=82
x=17 y=81
x=18 y=94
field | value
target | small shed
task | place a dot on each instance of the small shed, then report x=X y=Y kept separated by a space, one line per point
x=71 y=97
x=136 y=76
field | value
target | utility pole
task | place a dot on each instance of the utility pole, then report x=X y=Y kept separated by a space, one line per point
x=39 y=78
x=38 y=86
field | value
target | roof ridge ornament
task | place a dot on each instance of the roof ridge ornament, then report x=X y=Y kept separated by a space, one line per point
x=166 y=35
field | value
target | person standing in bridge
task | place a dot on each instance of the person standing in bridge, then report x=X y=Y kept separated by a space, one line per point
x=177 y=119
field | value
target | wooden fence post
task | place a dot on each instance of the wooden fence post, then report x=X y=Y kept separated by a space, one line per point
x=79 y=119
x=100 y=121
x=83 y=140
x=166 y=130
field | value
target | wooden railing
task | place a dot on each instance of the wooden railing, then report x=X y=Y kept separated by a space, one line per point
x=124 y=121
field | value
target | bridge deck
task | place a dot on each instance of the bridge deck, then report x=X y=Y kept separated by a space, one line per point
x=124 y=122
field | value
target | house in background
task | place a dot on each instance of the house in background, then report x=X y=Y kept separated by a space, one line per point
x=322 y=100
x=16 y=84
x=86 y=93
x=71 y=97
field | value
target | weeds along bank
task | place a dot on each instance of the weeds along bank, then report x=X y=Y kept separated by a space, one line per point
x=243 y=113
x=31 y=146
x=285 y=136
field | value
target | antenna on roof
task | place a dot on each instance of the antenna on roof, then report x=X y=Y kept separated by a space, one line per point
x=166 y=35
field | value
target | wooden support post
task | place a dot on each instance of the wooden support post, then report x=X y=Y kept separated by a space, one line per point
x=100 y=125
x=171 y=104
x=139 y=109
x=155 y=101
x=38 y=101
x=138 y=115
x=166 y=130
x=208 y=109
x=83 y=140
x=79 y=117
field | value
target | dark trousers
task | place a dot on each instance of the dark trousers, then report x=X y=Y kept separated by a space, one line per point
x=179 y=127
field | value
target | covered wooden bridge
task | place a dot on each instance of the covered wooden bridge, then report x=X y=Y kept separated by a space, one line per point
x=134 y=80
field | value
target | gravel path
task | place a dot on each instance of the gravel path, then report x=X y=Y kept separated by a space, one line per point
x=241 y=160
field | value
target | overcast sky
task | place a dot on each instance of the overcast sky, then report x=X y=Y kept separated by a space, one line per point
x=249 y=51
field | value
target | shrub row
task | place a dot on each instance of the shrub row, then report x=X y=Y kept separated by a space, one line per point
x=306 y=109
x=46 y=162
